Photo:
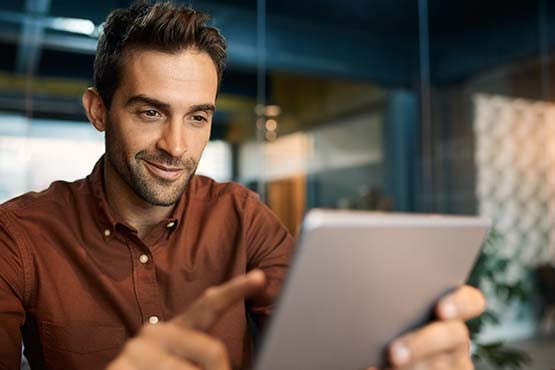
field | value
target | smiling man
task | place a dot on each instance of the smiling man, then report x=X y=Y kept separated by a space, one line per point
x=144 y=265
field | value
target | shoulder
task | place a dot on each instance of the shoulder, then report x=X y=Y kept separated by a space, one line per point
x=229 y=198
x=56 y=197
x=231 y=194
x=205 y=188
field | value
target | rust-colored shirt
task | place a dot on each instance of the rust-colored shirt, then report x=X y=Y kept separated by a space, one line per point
x=76 y=282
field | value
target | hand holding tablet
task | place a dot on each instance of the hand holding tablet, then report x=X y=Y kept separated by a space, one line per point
x=442 y=344
x=360 y=280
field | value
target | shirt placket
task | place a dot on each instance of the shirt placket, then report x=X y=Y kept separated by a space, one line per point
x=146 y=287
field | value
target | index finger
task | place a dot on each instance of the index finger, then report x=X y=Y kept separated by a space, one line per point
x=205 y=311
x=464 y=303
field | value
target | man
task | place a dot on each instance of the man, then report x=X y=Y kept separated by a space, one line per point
x=142 y=265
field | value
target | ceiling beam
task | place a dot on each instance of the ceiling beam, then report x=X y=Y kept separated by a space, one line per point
x=293 y=45
x=300 y=46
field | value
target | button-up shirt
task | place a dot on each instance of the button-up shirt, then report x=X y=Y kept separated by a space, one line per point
x=76 y=282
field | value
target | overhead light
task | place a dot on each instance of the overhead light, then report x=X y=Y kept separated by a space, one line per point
x=273 y=110
x=268 y=110
x=271 y=125
x=75 y=25
x=271 y=135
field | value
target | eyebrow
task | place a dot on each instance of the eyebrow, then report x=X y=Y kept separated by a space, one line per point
x=203 y=107
x=142 y=99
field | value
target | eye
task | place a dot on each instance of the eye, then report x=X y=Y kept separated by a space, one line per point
x=150 y=114
x=198 y=118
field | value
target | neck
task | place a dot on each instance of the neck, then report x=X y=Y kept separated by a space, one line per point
x=131 y=208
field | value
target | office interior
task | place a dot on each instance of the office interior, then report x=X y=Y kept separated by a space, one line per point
x=420 y=106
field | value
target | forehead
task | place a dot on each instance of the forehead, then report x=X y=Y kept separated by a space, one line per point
x=186 y=77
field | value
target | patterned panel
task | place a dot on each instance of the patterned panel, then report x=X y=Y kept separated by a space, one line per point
x=515 y=159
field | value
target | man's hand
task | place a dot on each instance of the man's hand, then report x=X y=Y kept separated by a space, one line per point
x=443 y=344
x=182 y=343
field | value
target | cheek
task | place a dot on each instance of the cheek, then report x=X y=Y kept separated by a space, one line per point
x=116 y=132
x=134 y=140
x=197 y=141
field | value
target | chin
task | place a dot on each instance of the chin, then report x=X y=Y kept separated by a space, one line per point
x=161 y=195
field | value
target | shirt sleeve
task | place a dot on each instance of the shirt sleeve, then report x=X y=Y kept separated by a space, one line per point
x=12 y=312
x=269 y=248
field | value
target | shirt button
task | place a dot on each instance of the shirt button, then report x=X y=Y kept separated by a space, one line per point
x=153 y=320
x=170 y=224
x=143 y=258
x=107 y=232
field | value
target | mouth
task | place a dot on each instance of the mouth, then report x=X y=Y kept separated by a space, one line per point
x=164 y=172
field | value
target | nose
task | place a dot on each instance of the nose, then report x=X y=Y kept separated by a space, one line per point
x=173 y=139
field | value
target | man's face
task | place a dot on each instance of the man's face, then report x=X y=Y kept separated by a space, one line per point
x=159 y=121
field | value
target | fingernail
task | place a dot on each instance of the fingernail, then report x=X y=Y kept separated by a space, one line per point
x=257 y=275
x=448 y=310
x=400 y=353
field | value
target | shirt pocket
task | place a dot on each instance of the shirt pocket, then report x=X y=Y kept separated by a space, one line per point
x=80 y=345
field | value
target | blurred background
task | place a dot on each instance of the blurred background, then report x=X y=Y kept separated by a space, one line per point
x=423 y=106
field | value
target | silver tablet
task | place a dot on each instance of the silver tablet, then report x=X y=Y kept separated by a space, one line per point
x=360 y=279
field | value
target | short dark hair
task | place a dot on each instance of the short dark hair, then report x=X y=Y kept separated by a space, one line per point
x=163 y=26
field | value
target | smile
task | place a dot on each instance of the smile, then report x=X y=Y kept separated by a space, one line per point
x=166 y=173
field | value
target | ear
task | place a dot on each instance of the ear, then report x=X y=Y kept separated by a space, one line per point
x=94 y=108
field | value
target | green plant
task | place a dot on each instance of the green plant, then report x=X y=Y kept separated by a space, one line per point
x=491 y=270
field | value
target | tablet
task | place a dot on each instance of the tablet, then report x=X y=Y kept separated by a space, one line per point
x=360 y=279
